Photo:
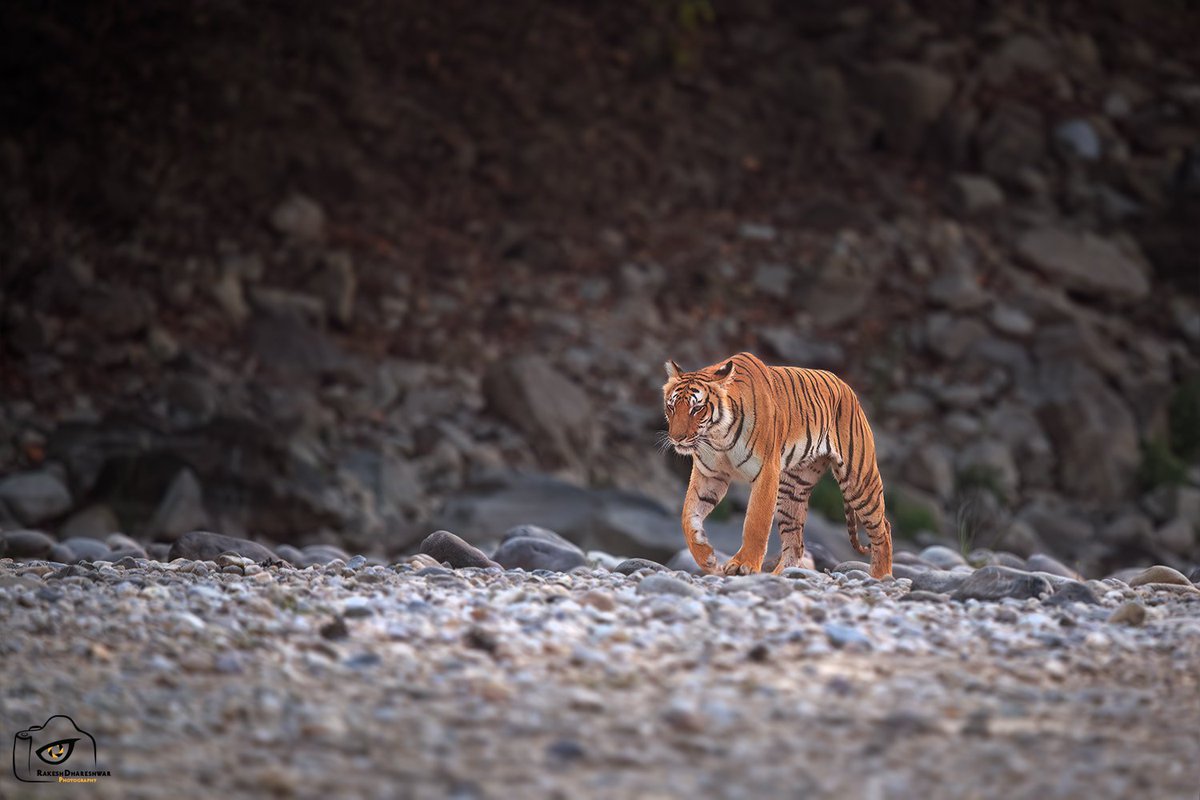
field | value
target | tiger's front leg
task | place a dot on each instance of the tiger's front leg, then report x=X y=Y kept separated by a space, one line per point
x=757 y=528
x=702 y=496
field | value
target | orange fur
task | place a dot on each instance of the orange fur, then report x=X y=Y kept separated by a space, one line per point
x=779 y=428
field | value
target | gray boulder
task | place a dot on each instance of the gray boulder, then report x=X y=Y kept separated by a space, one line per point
x=35 y=496
x=1084 y=262
x=544 y=404
x=25 y=544
x=87 y=549
x=181 y=510
x=444 y=546
x=205 y=546
x=529 y=554
x=997 y=583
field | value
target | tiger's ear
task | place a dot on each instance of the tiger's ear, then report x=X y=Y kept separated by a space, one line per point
x=672 y=369
x=724 y=372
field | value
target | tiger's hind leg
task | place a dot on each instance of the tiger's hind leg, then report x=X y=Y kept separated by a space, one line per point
x=795 y=488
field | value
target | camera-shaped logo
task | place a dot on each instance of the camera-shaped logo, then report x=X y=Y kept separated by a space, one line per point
x=41 y=753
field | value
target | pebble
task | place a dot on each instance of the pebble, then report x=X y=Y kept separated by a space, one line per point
x=842 y=636
x=1129 y=613
x=666 y=584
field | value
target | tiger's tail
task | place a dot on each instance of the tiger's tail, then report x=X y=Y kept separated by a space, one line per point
x=852 y=528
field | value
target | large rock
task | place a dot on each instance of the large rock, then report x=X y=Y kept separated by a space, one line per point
x=35 y=496
x=972 y=194
x=997 y=583
x=907 y=97
x=444 y=546
x=181 y=510
x=92 y=522
x=547 y=406
x=1011 y=137
x=938 y=581
x=1093 y=431
x=529 y=554
x=1084 y=262
x=205 y=546
x=87 y=549
x=25 y=544
x=538 y=532
x=300 y=218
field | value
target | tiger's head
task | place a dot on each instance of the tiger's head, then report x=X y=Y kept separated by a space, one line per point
x=696 y=405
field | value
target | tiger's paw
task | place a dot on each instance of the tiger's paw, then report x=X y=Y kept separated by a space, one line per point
x=737 y=566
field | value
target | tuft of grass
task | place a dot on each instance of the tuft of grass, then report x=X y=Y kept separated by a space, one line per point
x=1165 y=463
x=1184 y=420
x=1160 y=466
x=908 y=518
x=979 y=477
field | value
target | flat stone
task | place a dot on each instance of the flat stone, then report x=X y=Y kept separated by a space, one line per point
x=1160 y=574
x=206 y=546
x=997 y=583
x=920 y=596
x=1084 y=262
x=444 y=546
x=938 y=581
x=846 y=566
x=632 y=565
x=666 y=584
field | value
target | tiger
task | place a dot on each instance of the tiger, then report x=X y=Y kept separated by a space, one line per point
x=778 y=428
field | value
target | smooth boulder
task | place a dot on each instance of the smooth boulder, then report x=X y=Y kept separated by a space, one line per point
x=529 y=554
x=444 y=546
x=206 y=546
x=997 y=583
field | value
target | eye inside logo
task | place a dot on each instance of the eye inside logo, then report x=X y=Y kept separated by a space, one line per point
x=57 y=752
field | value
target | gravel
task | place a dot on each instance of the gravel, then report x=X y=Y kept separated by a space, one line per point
x=226 y=676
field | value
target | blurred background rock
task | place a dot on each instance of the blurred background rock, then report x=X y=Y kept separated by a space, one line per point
x=335 y=274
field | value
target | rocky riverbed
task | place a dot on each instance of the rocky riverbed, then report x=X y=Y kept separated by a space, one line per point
x=354 y=679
